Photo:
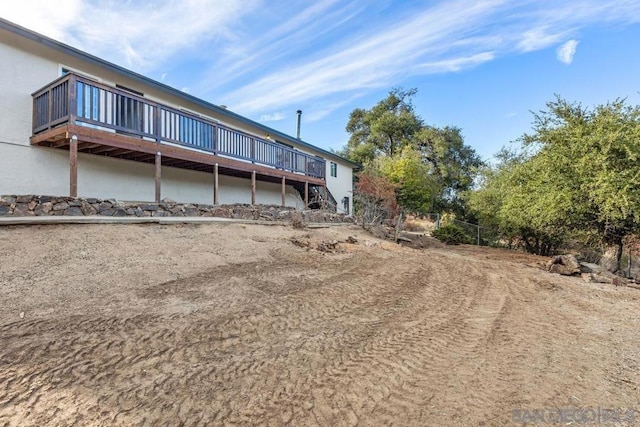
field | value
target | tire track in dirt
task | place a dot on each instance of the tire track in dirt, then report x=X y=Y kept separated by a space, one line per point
x=439 y=338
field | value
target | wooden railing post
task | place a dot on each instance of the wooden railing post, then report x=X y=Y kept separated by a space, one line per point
x=215 y=139
x=157 y=125
x=50 y=107
x=253 y=150
x=73 y=99
x=34 y=118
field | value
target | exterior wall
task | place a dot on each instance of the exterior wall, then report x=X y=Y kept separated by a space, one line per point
x=341 y=185
x=28 y=66
x=38 y=170
x=21 y=74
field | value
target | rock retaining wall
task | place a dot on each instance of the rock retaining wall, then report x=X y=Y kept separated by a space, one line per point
x=32 y=205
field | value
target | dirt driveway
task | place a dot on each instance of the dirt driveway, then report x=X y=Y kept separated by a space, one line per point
x=233 y=324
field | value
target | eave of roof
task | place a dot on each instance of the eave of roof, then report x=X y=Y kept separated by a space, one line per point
x=94 y=60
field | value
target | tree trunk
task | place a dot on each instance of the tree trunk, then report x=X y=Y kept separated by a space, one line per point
x=612 y=255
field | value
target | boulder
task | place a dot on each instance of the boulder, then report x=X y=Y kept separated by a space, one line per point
x=104 y=206
x=604 y=276
x=589 y=267
x=88 y=209
x=24 y=199
x=567 y=265
x=73 y=211
x=61 y=206
x=43 y=209
x=119 y=212
x=45 y=199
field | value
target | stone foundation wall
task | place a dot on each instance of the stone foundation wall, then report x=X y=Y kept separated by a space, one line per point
x=33 y=205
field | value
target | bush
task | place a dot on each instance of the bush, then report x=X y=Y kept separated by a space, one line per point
x=297 y=221
x=412 y=225
x=451 y=234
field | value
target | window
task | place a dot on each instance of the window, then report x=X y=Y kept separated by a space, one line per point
x=345 y=205
x=334 y=169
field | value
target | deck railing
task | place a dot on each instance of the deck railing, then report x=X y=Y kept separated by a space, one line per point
x=78 y=100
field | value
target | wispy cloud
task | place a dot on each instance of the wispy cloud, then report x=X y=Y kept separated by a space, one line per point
x=566 y=52
x=538 y=38
x=273 y=117
x=457 y=64
x=53 y=19
x=372 y=60
x=448 y=37
x=139 y=35
x=263 y=57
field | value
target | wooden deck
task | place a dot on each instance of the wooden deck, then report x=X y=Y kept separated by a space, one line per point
x=80 y=115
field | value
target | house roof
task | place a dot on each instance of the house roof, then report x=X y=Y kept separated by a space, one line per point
x=99 y=62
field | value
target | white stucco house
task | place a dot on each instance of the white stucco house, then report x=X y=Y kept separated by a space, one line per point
x=74 y=124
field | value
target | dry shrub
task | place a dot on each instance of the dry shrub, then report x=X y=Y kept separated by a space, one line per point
x=412 y=225
x=297 y=220
x=375 y=196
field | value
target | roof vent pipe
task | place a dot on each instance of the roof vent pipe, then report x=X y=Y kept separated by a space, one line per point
x=298 y=119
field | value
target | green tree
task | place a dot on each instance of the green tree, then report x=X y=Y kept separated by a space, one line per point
x=417 y=187
x=505 y=201
x=431 y=166
x=454 y=164
x=582 y=175
x=593 y=155
x=384 y=129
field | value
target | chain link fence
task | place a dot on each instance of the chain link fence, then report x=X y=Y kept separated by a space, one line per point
x=478 y=235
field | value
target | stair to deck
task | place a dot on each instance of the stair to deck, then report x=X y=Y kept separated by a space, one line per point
x=316 y=198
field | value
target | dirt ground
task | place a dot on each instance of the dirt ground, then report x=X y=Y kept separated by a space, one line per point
x=234 y=324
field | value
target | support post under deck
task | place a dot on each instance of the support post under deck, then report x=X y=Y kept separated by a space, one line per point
x=158 y=175
x=73 y=166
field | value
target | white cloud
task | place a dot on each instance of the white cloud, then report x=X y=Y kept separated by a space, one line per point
x=373 y=61
x=457 y=64
x=448 y=37
x=273 y=117
x=259 y=57
x=566 y=52
x=538 y=38
x=140 y=35
x=53 y=19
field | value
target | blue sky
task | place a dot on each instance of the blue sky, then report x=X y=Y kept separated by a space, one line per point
x=479 y=65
